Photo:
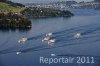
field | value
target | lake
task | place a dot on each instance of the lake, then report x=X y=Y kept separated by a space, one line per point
x=85 y=21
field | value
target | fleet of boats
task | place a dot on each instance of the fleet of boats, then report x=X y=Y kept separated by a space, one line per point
x=47 y=39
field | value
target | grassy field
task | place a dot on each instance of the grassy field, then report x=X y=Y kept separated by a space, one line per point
x=4 y=7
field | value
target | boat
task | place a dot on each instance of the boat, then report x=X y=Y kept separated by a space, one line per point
x=49 y=34
x=22 y=40
x=77 y=35
x=18 y=53
x=46 y=39
x=51 y=41
x=53 y=55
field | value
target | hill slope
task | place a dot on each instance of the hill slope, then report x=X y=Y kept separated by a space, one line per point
x=12 y=3
x=35 y=12
x=11 y=18
x=7 y=7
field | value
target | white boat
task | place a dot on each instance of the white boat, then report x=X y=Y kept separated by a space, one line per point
x=51 y=41
x=22 y=40
x=77 y=35
x=18 y=53
x=46 y=39
x=53 y=55
x=49 y=34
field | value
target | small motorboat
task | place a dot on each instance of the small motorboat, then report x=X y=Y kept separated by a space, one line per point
x=18 y=53
x=53 y=55
x=46 y=39
x=22 y=40
x=49 y=34
x=51 y=41
x=77 y=35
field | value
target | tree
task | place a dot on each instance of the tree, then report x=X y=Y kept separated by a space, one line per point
x=3 y=0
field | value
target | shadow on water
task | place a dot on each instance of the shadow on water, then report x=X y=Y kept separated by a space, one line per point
x=13 y=29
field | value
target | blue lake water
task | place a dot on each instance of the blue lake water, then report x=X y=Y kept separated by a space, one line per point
x=85 y=21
